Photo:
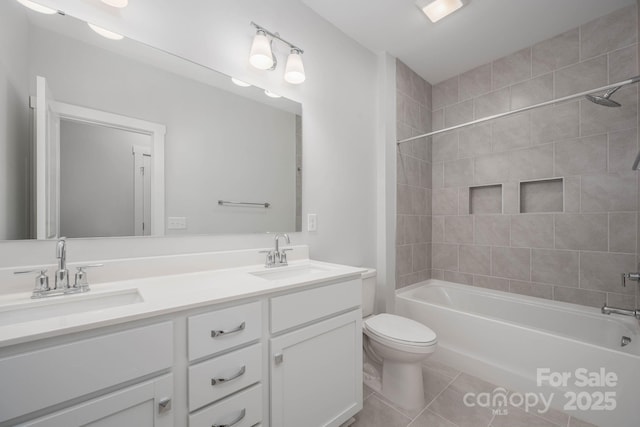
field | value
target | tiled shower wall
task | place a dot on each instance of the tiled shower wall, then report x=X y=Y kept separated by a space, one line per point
x=413 y=225
x=575 y=254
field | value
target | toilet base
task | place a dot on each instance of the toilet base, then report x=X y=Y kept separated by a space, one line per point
x=402 y=384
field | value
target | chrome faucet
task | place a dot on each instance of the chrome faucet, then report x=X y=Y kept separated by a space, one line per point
x=62 y=274
x=277 y=257
x=61 y=286
x=630 y=276
x=624 y=312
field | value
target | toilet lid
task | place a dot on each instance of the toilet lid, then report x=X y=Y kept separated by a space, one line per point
x=400 y=328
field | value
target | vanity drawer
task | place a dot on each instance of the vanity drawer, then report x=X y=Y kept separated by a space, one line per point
x=211 y=333
x=298 y=308
x=240 y=369
x=39 y=379
x=244 y=407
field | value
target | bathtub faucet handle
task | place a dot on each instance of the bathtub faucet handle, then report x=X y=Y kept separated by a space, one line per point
x=629 y=276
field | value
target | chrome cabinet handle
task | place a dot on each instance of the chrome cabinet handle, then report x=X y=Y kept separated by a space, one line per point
x=230 y=331
x=234 y=422
x=240 y=373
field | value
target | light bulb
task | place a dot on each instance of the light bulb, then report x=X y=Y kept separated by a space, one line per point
x=116 y=3
x=438 y=9
x=294 y=71
x=239 y=82
x=105 y=33
x=271 y=94
x=36 y=7
x=261 y=56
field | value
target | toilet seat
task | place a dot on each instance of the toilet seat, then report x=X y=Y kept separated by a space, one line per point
x=398 y=331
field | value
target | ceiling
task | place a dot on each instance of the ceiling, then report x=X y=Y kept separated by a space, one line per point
x=478 y=33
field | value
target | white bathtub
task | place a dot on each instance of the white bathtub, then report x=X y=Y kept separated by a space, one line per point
x=504 y=338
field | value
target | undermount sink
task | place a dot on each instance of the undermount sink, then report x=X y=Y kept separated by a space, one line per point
x=294 y=272
x=65 y=305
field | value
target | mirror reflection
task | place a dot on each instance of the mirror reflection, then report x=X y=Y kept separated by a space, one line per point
x=107 y=137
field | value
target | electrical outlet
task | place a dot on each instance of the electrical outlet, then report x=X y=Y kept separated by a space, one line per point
x=177 y=223
x=312 y=222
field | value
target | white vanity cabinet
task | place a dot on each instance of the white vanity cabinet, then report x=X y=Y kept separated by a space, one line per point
x=142 y=405
x=316 y=367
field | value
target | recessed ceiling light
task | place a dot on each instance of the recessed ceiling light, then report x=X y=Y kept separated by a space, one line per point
x=117 y=3
x=105 y=33
x=438 y=9
x=272 y=94
x=38 y=8
x=239 y=82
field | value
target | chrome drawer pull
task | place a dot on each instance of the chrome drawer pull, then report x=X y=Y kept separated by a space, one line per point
x=240 y=373
x=234 y=422
x=230 y=331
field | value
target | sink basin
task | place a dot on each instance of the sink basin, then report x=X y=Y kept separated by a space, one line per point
x=296 y=272
x=66 y=304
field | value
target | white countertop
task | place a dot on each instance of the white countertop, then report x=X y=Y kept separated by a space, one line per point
x=160 y=295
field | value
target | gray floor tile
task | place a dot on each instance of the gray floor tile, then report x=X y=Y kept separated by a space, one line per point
x=429 y=419
x=466 y=383
x=410 y=413
x=575 y=422
x=434 y=381
x=450 y=405
x=519 y=418
x=445 y=370
x=376 y=413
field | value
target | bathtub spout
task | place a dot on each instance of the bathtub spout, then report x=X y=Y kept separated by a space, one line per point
x=614 y=310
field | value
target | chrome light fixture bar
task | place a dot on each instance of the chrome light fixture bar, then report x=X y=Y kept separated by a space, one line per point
x=263 y=58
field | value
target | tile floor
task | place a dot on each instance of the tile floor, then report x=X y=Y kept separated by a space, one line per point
x=444 y=391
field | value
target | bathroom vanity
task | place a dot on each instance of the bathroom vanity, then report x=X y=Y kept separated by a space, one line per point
x=241 y=347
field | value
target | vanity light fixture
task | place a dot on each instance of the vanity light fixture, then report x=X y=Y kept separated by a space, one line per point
x=37 y=7
x=438 y=9
x=239 y=82
x=105 y=33
x=271 y=94
x=263 y=58
x=116 y=3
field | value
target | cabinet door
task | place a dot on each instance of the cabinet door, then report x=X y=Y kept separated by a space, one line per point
x=316 y=373
x=138 y=406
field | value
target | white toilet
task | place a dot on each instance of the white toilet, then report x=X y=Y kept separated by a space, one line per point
x=400 y=345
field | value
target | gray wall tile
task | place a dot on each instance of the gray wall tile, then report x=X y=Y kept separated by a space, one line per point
x=511 y=263
x=601 y=271
x=555 y=267
x=531 y=92
x=492 y=169
x=459 y=113
x=537 y=290
x=437 y=175
x=421 y=257
x=492 y=230
x=587 y=232
x=458 y=229
x=445 y=201
x=492 y=103
x=475 y=259
x=532 y=163
x=556 y=52
x=581 y=156
x=532 y=231
x=445 y=256
x=445 y=146
x=511 y=132
x=458 y=173
x=598 y=119
x=475 y=141
x=475 y=82
x=612 y=192
x=437 y=119
x=572 y=194
x=486 y=200
x=579 y=296
x=437 y=229
x=445 y=93
x=610 y=32
x=623 y=148
x=555 y=122
x=582 y=76
x=621 y=301
x=454 y=276
x=463 y=201
x=623 y=64
x=512 y=68
x=541 y=196
x=623 y=232
x=404 y=260
x=491 y=283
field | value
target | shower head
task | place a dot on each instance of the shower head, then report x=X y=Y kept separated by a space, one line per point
x=604 y=99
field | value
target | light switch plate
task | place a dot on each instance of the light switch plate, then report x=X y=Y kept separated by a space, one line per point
x=312 y=222
x=177 y=223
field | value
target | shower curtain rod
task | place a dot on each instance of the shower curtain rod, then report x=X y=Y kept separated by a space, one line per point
x=632 y=80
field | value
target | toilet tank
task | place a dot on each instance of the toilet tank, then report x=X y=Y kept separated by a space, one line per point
x=368 y=292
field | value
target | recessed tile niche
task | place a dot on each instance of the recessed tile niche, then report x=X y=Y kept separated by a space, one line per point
x=542 y=196
x=486 y=199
